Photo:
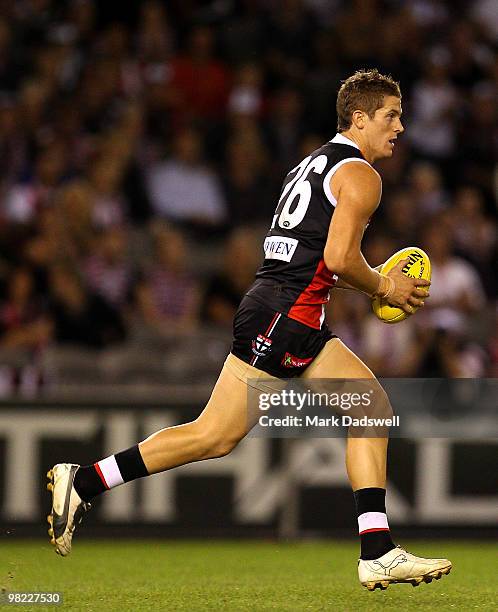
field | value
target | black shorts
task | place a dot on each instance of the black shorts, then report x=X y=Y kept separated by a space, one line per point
x=272 y=342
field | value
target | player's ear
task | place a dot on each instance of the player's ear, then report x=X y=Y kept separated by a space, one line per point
x=358 y=118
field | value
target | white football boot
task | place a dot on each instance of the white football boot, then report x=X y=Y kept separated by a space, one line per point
x=398 y=565
x=67 y=506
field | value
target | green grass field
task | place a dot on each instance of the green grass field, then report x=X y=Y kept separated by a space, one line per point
x=218 y=575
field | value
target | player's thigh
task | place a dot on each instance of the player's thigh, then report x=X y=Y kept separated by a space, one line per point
x=335 y=360
x=226 y=413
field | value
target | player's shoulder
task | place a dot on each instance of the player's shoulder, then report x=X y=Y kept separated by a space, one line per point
x=359 y=168
x=357 y=180
x=357 y=173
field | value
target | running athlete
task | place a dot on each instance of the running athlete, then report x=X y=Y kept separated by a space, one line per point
x=280 y=331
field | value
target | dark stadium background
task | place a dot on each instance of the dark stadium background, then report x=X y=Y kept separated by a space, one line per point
x=142 y=148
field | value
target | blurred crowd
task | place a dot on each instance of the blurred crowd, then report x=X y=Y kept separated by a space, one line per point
x=143 y=146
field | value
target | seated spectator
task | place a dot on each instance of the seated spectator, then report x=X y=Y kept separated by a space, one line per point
x=51 y=242
x=155 y=36
x=167 y=296
x=451 y=354
x=13 y=149
x=384 y=347
x=285 y=128
x=432 y=128
x=401 y=223
x=23 y=321
x=456 y=290
x=478 y=139
x=475 y=233
x=107 y=270
x=74 y=206
x=346 y=315
x=225 y=290
x=183 y=189
x=199 y=79
x=248 y=189
x=426 y=188
x=109 y=207
x=24 y=200
x=246 y=95
x=80 y=317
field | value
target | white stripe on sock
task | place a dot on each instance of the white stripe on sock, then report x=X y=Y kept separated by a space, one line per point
x=110 y=470
x=372 y=520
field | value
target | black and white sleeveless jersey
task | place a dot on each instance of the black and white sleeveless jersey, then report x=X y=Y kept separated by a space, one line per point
x=293 y=279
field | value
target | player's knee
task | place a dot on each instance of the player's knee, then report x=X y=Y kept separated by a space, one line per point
x=224 y=447
x=214 y=444
x=381 y=406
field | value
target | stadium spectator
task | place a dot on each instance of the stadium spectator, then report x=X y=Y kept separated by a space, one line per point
x=107 y=269
x=285 y=127
x=247 y=187
x=225 y=289
x=400 y=223
x=321 y=82
x=81 y=318
x=247 y=31
x=451 y=354
x=23 y=320
x=479 y=137
x=431 y=128
x=13 y=147
x=155 y=38
x=109 y=206
x=74 y=204
x=182 y=188
x=24 y=200
x=384 y=347
x=346 y=312
x=456 y=290
x=246 y=95
x=167 y=296
x=474 y=232
x=427 y=188
x=199 y=80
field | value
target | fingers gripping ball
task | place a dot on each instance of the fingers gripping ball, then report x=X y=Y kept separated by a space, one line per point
x=418 y=266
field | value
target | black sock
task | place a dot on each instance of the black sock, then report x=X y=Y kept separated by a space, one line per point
x=92 y=480
x=372 y=523
x=88 y=483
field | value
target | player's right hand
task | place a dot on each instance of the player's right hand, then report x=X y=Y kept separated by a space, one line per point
x=408 y=292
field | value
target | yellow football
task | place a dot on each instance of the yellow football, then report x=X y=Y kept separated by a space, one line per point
x=418 y=266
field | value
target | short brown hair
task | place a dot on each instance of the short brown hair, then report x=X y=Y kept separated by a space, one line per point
x=365 y=91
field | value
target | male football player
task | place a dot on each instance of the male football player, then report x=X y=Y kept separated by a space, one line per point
x=314 y=243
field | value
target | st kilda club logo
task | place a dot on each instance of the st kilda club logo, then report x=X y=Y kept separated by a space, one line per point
x=261 y=346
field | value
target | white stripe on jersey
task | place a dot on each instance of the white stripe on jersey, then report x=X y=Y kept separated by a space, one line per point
x=333 y=170
x=340 y=139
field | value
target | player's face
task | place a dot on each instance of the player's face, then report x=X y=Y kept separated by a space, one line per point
x=384 y=128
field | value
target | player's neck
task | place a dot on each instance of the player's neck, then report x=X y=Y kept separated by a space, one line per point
x=355 y=137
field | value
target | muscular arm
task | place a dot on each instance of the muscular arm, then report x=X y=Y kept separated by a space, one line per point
x=357 y=189
x=343 y=285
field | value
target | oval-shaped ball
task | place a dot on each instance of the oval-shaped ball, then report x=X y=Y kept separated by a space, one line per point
x=418 y=266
